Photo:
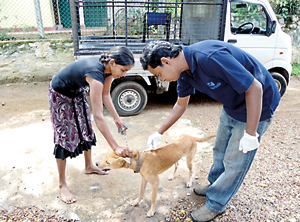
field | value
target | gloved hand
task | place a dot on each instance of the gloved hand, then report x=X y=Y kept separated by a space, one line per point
x=153 y=139
x=248 y=142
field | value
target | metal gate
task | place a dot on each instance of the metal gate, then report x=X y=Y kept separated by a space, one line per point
x=133 y=23
x=95 y=14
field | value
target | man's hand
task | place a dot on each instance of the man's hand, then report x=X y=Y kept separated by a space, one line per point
x=248 y=142
x=153 y=139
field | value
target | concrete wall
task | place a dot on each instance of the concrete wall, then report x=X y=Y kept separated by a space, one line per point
x=292 y=27
x=21 y=13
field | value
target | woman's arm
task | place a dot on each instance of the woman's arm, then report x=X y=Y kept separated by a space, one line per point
x=96 y=90
x=108 y=102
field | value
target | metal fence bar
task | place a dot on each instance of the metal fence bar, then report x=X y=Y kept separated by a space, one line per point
x=39 y=19
x=126 y=27
x=74 y=25
x=153 y=2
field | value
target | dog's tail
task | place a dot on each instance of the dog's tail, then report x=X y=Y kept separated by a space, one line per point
x=203 y=139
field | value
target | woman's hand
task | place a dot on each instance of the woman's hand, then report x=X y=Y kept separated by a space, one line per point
x=119 y=123
x=121 y=126
x=123 y=151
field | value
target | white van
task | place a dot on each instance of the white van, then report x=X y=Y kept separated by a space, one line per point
x=260 y=34
x=248 y=24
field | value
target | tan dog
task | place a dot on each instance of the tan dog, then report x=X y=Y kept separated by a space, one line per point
x=153 y=162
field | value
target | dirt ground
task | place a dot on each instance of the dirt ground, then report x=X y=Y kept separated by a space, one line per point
x=28 y=173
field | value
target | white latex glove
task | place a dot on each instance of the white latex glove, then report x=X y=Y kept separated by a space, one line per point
x=248 y=142
x=153 y=139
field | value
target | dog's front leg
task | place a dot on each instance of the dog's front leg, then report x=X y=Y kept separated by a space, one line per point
x=141 y=193
x=154 y=184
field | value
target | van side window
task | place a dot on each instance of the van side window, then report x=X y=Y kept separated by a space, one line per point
x=247 y=18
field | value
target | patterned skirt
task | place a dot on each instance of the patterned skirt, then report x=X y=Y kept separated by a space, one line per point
x=71 y=122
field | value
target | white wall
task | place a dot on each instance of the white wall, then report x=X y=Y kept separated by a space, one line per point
x=21 y=13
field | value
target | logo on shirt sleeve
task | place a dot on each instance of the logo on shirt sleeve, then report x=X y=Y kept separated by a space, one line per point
x=212 y=85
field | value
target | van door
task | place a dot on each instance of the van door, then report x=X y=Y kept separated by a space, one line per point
x=251 y=29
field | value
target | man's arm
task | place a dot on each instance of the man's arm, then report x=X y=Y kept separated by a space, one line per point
x=254 y=106
x=177 y=111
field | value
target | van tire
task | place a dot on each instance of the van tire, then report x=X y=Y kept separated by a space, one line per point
x=280 y=82
x=129 y=98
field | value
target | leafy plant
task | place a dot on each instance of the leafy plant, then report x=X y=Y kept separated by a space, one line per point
x=296 y=70
x=286 y=7
x=27 y=28
x=153 y=6
x=4 y=36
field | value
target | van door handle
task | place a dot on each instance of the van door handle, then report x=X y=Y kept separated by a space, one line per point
x=232 y=41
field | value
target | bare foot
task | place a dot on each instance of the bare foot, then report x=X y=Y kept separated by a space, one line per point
x=66 y=195
x=95 y=170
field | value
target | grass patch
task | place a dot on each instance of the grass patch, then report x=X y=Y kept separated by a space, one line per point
x=296 y=70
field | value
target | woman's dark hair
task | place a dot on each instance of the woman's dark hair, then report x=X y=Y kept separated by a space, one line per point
x=121 y=54
x=154 y=51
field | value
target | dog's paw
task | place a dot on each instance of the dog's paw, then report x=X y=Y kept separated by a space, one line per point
x=171 y=177
x=150 y=213
x=189 y=184
x=135 y=202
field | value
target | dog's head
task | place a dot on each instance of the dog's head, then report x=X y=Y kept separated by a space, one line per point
x=113 y=161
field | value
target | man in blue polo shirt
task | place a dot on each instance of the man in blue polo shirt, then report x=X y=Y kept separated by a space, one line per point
x=249 y=96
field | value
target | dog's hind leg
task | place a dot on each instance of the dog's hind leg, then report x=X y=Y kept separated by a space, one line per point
x=171 y=177
x=141 y=193
x=190 y=166
x=189 y=163
x=154 y=183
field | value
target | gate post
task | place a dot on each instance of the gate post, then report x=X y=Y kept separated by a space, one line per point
x=39 y=19
x=74 y=26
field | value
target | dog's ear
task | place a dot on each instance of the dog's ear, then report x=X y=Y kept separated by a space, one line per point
x=123 y=159
x=126 y=159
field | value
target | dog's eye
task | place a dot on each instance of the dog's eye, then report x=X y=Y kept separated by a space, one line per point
x=107 y=162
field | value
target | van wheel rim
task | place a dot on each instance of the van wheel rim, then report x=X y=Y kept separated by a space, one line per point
x=129 y=100
x=278 y=84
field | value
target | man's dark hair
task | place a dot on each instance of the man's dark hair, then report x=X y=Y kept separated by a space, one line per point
x=155 y=50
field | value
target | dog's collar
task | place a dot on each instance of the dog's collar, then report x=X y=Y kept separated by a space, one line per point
x=138 y=163
x=131 y=159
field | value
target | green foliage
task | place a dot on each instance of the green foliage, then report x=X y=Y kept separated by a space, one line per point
x=153 y=6
x=27 y=28
x=286 y=7
x=4 y=36
x=249 y=9
x=60 y=46
x=296 y=70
